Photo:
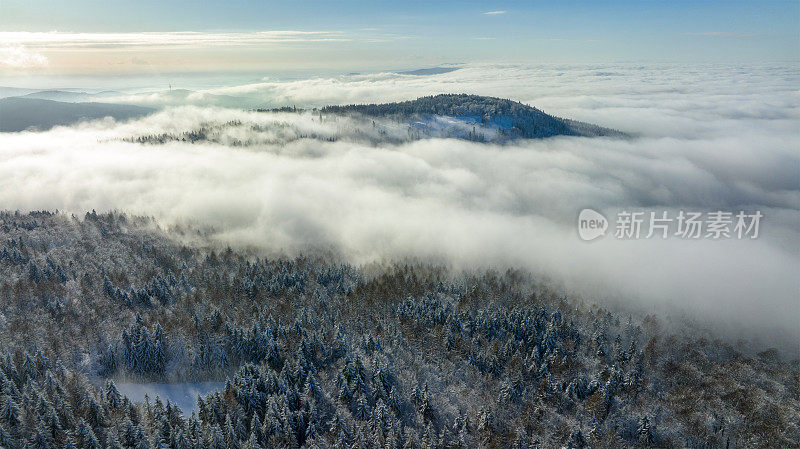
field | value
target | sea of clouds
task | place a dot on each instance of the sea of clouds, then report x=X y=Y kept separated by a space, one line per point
x=705 y=138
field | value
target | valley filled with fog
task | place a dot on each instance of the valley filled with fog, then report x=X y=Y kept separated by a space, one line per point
x=398 y=259
x=386 y=225
x=367 y=190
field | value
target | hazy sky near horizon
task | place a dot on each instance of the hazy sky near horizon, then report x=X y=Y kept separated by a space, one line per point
x=92 y=37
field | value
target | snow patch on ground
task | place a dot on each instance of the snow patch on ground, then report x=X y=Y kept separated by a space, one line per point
x=183 y=394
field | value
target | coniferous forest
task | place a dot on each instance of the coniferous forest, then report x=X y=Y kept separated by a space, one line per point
x=399 y=225
x=315 y=353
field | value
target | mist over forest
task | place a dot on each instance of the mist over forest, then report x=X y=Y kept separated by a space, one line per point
x=377 y=189
x=392 y=259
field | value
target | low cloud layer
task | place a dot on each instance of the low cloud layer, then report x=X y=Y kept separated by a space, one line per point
x=19 y=57
x=706 y=138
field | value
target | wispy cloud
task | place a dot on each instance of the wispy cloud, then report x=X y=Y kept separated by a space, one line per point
x=59 y=40
x=494 y=13
x=19 y=57
x=725 y=34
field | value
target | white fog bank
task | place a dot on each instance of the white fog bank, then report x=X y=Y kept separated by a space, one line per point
x=705 y=138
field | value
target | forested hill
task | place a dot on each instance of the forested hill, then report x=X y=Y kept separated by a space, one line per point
x=320 y=354
x=511 y=118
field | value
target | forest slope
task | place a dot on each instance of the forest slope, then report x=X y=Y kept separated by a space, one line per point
x=318 y=353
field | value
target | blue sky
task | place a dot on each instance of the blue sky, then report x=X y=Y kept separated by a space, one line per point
x=362 y=35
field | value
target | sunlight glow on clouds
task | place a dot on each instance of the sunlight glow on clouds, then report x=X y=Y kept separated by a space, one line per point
x=182 y=51
x=175 y=39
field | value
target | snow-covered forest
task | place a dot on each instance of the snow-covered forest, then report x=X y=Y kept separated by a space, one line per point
x=511 y=118
x=318 y=353
x=399 y=225
x=466 y=117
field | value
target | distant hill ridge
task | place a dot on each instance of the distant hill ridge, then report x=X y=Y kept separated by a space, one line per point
x=19 y=114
